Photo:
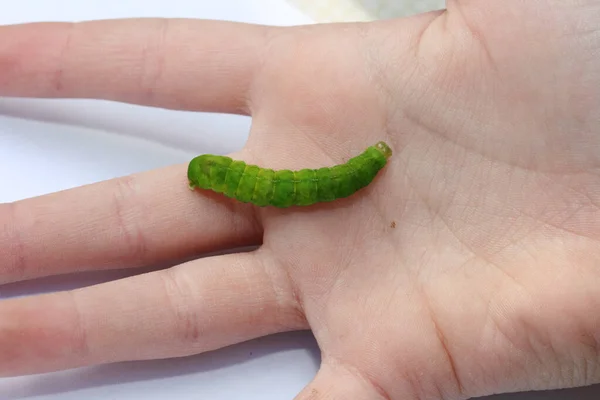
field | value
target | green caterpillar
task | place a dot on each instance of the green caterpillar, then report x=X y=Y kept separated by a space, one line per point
x=285 y=188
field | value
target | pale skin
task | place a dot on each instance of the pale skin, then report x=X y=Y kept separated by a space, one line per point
x=470 y=266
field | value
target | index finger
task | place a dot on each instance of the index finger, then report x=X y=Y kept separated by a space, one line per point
x=144 y=219
x=170 y=63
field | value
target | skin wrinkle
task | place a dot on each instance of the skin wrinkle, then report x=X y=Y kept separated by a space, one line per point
x=546 y=190
x=370 y=294
x=313 y=395
x=474 y=254
x=378 y=78
x=416 y=389
x=153 y=62
x=562 y=228
x=436 y=94
x=241 y=216
x=584 y=371
x=392 y=296
x=287 y=298
x=476 y=35
x=414 y=190
x=406 y=202
x=325 y=295
x=532 y=349
x=124 y=192
x=514 y=241
x=443 y=341
x=59 y=78
x=523 y=213
x=298 y=299
x=483 y=258
x=586 y=195
x=593 y=370
x=420 y=35
x=464 y=212
x=327 y=357
x=305 y=133
x=566 y=371
x=271 y=36
x=588 y=368
x=436 y=212
x=417 y=121
x=498 y=328
x=378 y=209
x=309 y=134
x=247 y=106
x=414 y=379
x=381 y=392
x=520 y=211
x=540 y=346
x=82 y=345
x=188 y=330
x=501 y=248
x=439 y=393
x=315 y=142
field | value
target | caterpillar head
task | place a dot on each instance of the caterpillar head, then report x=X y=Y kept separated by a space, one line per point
x=384 y=149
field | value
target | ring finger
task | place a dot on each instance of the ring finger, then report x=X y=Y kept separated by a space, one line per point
x=195 y=307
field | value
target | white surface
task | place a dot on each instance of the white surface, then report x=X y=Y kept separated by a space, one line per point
x=75 y=143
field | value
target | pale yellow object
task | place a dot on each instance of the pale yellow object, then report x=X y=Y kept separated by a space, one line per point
x=363 y=10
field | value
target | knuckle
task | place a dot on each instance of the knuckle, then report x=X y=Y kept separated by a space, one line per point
x=80 y=342
x=187 y=329
x=60 y=79
x=125 y=196
x=153 y=61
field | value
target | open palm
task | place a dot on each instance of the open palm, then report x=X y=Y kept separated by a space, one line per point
x=469 y=266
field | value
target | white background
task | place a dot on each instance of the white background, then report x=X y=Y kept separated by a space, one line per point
x=79 y=142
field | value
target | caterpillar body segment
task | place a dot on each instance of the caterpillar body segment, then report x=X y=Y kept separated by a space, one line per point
x=286 y=188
